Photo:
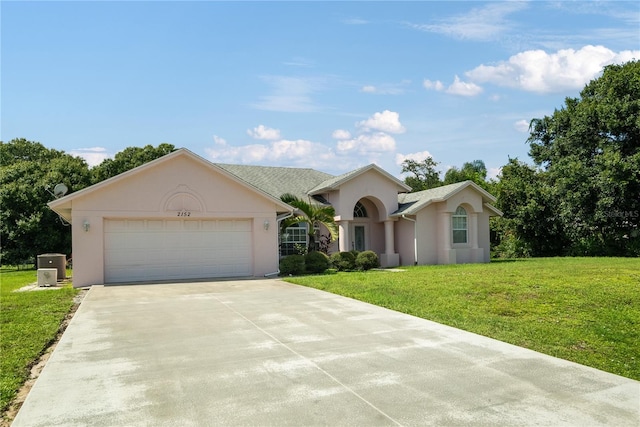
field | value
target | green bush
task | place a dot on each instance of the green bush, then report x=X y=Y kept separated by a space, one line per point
x=343 y=261
x=512 y=247
x=316 y=262
x=292 y=265
x=367 y=260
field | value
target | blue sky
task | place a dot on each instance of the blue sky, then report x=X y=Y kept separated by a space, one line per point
x=327 y=85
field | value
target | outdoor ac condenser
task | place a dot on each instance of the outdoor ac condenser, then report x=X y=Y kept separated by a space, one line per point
x=47 y=276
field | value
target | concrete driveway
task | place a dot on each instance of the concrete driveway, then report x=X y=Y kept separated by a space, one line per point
x=265 y=352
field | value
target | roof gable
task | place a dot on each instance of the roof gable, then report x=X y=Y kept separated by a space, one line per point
x=63 y=206
x=335 y=182
x=411 y=203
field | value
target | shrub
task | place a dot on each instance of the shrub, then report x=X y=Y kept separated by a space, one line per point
x=367 y=260
x=316 y=262
x=292 y=265
x=512 y=247
x=343 y=261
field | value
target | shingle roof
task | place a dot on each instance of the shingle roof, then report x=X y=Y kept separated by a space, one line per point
x=277 y=181
x=410 y=203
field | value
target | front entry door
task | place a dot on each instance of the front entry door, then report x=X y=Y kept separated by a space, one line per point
x=358 y=234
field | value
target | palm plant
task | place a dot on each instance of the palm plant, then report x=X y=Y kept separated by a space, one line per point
x=311 y=214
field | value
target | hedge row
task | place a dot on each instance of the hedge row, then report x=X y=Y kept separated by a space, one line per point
x=318 y=262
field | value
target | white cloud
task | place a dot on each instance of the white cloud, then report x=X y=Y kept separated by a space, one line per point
x=542 y=72
x=93 y=156
x=418 y=157
x=219 y=141
x=434 y=85
x=387 y=121
x=292 y=152
x=341 y=134
x=458 y=87
x=263 y=132
x=387 y=88
x=290 y=94
x=482 y=23
x=492 y=173
x=521 y=126
x=364 y=144
x=300 y=61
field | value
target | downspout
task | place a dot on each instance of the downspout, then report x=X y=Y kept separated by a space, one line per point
x=415 y=238
x=279 y=220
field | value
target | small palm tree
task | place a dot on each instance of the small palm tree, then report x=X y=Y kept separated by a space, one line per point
x=312 y=214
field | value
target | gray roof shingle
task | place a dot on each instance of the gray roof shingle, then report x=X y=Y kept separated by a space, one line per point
x=410 y=203
x=277 y=181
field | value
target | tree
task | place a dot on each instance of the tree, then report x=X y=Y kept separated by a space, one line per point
x=590 y=153
x=28 y=173
x=312 y=215
x=127 y=159
x=529 y=226
x=474 y=171
x=424 y=174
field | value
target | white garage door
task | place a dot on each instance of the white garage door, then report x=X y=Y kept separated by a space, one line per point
x=142 y=250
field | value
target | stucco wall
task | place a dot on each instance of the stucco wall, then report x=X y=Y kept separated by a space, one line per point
x=146 y=193
x=484 y=236
x=404 y=240
x=378 y=188
x=428 y=235
x=434 y=232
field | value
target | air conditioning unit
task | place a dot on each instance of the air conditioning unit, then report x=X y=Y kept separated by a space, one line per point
x=47 y=276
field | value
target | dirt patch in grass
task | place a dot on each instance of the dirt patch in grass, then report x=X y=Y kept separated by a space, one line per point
x=39 y=364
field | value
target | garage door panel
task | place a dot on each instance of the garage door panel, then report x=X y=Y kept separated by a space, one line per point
x=143 y=250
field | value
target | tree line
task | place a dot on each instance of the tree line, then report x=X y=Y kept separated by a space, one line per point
x=579 y=196
x=29 y=172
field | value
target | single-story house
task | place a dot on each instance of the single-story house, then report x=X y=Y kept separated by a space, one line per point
x=182 y=217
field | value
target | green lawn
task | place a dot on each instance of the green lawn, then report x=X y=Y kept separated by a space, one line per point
x=582 y=309
x=29 y=321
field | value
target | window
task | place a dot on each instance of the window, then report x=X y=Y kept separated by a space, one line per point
x=460 y=228
x=293 y=240
x=359 y=211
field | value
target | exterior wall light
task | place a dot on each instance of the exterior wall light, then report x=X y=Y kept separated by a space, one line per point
x=266 y=224
x=86 y=225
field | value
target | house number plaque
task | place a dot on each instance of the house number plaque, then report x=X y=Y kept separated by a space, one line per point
x=184 y=213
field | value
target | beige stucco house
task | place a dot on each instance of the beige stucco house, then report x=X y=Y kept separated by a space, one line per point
x=183 y=217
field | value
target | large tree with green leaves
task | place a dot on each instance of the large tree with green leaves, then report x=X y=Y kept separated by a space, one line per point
x=590 y=153
x=28 y=173
x=312 y=214
x=423 y=175
x=530 y=226
x=475 y=171
x=127 y=159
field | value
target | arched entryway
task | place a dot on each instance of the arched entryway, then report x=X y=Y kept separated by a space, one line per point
x=366 y=231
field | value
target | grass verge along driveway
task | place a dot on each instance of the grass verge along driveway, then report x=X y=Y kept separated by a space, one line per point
x=29 y=322
x=586 y=310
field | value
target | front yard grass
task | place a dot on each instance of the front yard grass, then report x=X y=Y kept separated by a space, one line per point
x=29 y=322
x=586 y=310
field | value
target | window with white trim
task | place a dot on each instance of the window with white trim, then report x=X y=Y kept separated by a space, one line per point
x=294 y=239
x=460 y=225
x=359 y=211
